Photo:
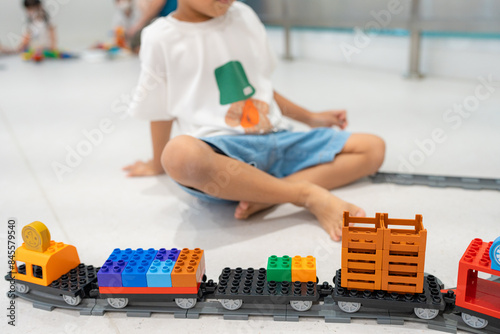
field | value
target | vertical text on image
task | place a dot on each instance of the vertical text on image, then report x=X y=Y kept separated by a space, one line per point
x=11 y=250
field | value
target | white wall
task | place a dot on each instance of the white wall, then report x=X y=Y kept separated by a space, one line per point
x=80 y=23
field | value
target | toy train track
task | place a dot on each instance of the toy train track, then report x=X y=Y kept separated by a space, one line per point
x=326 y=311
x=438 y=181
x=381 y=278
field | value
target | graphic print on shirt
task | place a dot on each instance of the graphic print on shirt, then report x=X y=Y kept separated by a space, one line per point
x=235 y=89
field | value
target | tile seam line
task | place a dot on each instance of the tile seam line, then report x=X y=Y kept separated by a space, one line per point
x=31 y=170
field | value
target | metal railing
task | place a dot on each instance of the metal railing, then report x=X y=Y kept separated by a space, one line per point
x=413 y=16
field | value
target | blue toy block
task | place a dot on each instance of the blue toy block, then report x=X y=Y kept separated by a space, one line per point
x=110 y=273
x=159 y=274
x=119 y=254
x=495 y=254
x=164 y=254
x=135 y=272
x=148 y=255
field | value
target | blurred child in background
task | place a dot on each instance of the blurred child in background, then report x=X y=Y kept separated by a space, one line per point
x=149 y=11
x=40 y=34
x=126 y=16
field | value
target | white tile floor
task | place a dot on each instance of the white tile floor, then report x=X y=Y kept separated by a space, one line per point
x=45 y=110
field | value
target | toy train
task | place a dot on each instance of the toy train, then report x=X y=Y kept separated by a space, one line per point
x=382 y=268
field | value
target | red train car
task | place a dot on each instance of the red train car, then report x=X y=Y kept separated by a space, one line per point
x=478 y=299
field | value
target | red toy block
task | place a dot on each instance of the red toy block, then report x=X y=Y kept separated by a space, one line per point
x=474 y=293
x=149 y=291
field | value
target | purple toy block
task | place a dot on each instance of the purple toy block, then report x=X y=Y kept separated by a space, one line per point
x=164 y=254
x=110 y=273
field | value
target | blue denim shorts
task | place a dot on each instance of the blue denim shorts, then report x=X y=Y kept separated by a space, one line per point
x=279 y=154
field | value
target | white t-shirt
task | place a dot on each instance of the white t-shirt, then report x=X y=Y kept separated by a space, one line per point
x=213 y=77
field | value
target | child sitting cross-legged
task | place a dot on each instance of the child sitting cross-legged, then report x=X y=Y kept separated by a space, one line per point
x=207 y=67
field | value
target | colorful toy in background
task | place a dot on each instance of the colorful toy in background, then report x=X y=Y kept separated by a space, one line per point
x=120 y=39
x=382 y=274
x=119 y=46
x=39 y=55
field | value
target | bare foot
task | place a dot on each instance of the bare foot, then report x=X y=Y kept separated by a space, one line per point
x=329 y=209
x=246 y=209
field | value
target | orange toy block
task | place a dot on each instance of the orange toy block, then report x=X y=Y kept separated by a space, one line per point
x=44 y=260
x=407 y=262
x=362 y=259
x=362 y=232
x=361 y=279
x=189 y=268
x=304 y=269
x=407 y=235
x=402 y=282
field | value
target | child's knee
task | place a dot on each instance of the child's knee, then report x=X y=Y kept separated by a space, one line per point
x=377 y=152
x=181 y=157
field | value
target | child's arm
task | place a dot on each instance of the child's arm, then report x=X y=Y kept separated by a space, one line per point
x=160 y=134
x=154 y=7
x=25 y=43
x=321 y=119
x=52 y=36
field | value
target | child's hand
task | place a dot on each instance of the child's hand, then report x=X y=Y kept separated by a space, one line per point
x=328 y=119
x=141 y=168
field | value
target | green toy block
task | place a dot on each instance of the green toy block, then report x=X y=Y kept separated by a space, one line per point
x=279 y=268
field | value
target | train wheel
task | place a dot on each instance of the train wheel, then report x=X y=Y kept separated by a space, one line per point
x=426 y=313
x=185 y=303
x=301 y=305
x=73 y=301
x=231 y=304
x=118 y=302
x=474 y=321
x=349 y=307
x=22 y=288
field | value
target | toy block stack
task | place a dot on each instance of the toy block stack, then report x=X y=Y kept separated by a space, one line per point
x=383 y=254
x=134 y=274
x=111 y=272
x=152 y=268
x=285 y=268
x=362 y=243
x=404 y=255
